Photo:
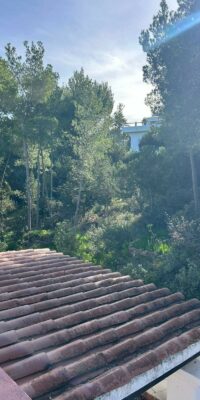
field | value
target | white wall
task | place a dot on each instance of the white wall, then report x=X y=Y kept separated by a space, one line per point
x=135 y=140
x=185 y=383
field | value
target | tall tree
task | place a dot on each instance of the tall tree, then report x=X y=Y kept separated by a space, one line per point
x=35 y=84
x=93 y=104
x=173 y=57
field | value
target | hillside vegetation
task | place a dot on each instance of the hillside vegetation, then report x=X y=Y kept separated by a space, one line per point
x=68 y=179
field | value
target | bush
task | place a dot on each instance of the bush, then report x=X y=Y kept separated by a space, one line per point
x=103 y=236
x=38 y=239
x=183 y=261
x=177 y=266
x=71 y=242
x=65 y=238
x=3 y=246
x=174 y=263
x=114 y=237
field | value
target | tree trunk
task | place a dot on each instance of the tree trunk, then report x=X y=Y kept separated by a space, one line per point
x=194 y=182
x=44 y=185
x=4 y=173
x=78 y=201
x=28 y=185
x=38 y=190
x=43 y=175
x=1 y=195
x=51 y=188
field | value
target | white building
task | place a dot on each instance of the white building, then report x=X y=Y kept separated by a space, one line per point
x=137 y=130
x=184 y=384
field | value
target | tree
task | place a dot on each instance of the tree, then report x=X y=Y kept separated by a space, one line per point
x=120 y=140
x=35 y=84
x=8 y=88
x=93 y=104
x=173 y=57
x=119 y=119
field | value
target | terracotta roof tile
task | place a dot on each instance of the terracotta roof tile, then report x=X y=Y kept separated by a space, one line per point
x=70 y=330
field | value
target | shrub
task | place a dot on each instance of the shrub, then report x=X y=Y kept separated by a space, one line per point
x=71 y=242
x=38 y=239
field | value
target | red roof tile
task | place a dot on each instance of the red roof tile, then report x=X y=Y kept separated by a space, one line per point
x=70 y=330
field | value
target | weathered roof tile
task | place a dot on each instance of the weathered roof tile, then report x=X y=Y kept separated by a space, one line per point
x=70 y=330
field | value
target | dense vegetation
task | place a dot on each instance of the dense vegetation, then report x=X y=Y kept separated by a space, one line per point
x=68 y=180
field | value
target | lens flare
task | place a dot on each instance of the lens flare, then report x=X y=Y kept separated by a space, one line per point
x=177 y=29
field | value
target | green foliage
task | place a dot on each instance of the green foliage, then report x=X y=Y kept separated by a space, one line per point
x=68 y=180
x=65 y=238
x=103 y=237
x=177 y=257
x=38 y=239
x=55 y=140
x=176 y=84
x=182 y=262
x=83 y=247
x=162 y=247
x=72 y=243
x=3 y=246
x=8 y=88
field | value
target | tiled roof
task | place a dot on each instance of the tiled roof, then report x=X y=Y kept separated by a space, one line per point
x=9 y=390
x=73 y=331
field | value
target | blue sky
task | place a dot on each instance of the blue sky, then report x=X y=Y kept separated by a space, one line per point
x=100 y=35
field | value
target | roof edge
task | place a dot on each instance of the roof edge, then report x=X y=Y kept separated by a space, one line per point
x=143 y=380
x=9 y=390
